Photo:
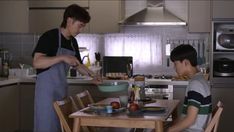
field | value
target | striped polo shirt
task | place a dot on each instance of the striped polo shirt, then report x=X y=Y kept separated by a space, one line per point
x=198 y=95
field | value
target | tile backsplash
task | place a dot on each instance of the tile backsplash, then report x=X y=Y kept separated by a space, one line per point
x=21 y=45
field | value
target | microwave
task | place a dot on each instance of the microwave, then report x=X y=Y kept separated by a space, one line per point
x=118 y=64
x=225 y=39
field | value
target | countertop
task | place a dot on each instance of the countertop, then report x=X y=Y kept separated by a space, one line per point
x=9 y=81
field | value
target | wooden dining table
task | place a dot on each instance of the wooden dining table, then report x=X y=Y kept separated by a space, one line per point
x=123 y=119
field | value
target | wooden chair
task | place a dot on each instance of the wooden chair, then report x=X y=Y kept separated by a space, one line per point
x=84 y=99
x=213 y=124
x=74 y=103
x=63 y=109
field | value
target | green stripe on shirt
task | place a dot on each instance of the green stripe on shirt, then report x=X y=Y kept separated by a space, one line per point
x=203 y=109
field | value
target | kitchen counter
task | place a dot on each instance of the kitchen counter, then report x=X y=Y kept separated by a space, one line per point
x=10 y=81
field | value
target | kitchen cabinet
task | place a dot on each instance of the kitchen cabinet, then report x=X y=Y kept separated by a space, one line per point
x=226 y=96
x=222 y=8
x=26 y=106
x=105 y=15
x=199 y=16
x=14 y=16
x=196 y=13
x=45 y=15
x=179 y=93
x=9 y=111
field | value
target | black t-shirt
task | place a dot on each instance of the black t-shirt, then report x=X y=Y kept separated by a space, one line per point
x=48 y=44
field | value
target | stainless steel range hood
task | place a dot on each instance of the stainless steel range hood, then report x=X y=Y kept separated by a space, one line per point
x=153 y=16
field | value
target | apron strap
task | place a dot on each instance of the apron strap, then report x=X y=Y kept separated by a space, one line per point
x=60 y=45
x=59 y=36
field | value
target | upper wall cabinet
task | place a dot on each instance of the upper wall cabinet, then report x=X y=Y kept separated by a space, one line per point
x=195 y=12
x=45 y=15
x=105 y=15
x=199 y=16
x=223 y=8
x=14 y=16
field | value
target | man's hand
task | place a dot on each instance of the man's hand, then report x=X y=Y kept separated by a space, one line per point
x=97 y=80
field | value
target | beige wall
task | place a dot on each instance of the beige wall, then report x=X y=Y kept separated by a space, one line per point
x=14 y=14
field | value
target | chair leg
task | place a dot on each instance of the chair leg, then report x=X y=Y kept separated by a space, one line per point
x=61 y=125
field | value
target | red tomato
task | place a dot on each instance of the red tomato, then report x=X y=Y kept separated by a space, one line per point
x=115 y=105
x=133 y=107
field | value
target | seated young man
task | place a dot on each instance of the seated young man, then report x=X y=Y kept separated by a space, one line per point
x=197 y=103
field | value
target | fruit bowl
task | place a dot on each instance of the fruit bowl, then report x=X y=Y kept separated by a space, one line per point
x=113 y=86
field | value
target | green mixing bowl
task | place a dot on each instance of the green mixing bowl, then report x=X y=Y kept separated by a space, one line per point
x=113 y=86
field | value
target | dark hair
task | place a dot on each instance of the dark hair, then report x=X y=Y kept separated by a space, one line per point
x=76 y=12
x=183 y=52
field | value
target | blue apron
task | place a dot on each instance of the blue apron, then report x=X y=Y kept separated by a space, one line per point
x=51 y=85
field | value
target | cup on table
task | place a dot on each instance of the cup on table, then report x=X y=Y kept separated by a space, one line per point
x=123 y=99
x=109 y=109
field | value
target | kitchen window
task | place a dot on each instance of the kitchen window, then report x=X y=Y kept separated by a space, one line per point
x=146 y=49
x=93 y=42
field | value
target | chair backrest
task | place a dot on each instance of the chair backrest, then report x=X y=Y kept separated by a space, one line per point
x=63 y=109
x=74 y=103
x=84 y=99
x=213 y=124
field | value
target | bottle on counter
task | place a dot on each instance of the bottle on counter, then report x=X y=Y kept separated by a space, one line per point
x=1 y=64
x=5 y=69
x=139 y=81
x=132 y=96
x=88 y=63
x=73 y=72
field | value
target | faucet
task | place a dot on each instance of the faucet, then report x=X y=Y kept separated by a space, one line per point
x=88 y=64
x=84 y=58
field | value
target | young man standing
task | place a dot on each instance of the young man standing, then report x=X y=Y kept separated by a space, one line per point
x=56 y=51
x=197 y=104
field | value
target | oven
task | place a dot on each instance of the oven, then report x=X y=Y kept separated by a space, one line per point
x=223 y=67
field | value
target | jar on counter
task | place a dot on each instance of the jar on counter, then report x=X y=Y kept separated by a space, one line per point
x=73 y=72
